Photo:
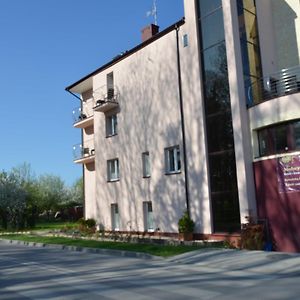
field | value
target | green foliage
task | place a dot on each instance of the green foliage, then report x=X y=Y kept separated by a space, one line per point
x=12 y=201
x=23 y=196
x=186 y=224
x=87 y=226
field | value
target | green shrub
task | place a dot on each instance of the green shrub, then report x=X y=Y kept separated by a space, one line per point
x=186 y=224
x=90 y=223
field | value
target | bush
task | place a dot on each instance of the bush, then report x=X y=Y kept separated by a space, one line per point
x=252 y=236
x=186 y=224
x=87 y=226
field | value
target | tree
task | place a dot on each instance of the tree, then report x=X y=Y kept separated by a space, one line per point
x=52 y=193
x=76 y=192
x=12 y=201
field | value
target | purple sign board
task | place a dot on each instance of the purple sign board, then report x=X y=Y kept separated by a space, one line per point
x=288 y=172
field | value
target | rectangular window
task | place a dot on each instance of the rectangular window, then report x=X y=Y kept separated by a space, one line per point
x=148 y=216
x=172 y=160
x=110 y=86
x=113 y=170
x=146 y=164
x=111 y=125
x=115 y=220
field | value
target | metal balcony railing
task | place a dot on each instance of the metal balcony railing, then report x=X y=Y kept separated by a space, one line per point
x=82 y=113
x=106 y=98
x=284 y=82
x=81 y=151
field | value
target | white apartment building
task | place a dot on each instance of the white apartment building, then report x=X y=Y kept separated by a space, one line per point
x=203 y=116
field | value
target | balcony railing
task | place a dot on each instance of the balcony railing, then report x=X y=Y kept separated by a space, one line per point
x=84 y=153
x=83 y=117
x=284 y=82
x=106 y=99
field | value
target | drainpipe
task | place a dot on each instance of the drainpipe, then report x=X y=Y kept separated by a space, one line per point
x=83 y=177
x=186 y=181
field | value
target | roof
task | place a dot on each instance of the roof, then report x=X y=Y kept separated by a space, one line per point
x=86 y=80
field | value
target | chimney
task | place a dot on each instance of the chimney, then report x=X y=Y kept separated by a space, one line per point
x=149 y=31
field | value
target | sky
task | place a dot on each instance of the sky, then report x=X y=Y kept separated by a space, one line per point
x=45 y=46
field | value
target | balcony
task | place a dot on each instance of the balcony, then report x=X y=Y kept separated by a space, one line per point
x=84 y=154
x=282 y=83
x=83 y=116
x=106 y=99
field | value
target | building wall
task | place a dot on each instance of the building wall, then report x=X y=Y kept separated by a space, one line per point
x=279 y=31
x=281 y=209
x=148 y=120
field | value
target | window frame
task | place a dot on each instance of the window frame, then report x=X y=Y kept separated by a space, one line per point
x=111 y=125
x=116 y=165
x=173 y=153
x=115 y=217
x=148 y=216
x=146 y=166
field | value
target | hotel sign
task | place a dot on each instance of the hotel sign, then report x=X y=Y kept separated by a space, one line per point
x=288 y=170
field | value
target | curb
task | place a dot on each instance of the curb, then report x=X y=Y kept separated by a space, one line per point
x=122 y=253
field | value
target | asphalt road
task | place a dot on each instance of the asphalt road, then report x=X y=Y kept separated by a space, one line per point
x=49 y=273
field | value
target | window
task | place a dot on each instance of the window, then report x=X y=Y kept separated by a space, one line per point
x=280 y=138
x=115 y=220
x=111 y=125
x=148 y=216
x=110 y=86
x=146 y=164
x=172 y=160
x=185 y=40
x=113 y=170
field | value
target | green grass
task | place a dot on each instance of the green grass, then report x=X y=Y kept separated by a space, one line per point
x=153 y=249
x=54 y=225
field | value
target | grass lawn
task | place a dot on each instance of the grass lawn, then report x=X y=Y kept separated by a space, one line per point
x=153 y=249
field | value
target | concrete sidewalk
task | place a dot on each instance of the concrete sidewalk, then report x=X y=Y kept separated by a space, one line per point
x=37 y=272
x=235 y=260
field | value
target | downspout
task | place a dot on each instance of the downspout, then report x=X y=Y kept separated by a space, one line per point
x=186 y=179
x=83 y=177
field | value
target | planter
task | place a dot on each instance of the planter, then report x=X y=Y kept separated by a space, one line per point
x=186 y=236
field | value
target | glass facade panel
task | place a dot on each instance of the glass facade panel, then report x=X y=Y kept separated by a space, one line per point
x=219 y=130
x=207 y=6
x=280 y=138
x=211 y=36
x=222 y=168
x=225 y=207
x=296 y=135
x=249 y=40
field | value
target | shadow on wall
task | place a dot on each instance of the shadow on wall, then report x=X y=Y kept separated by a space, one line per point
x=286 y=31
x=149 y=120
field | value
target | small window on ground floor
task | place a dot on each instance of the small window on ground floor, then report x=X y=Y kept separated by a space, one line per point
x=148 y=216
x=115 y=220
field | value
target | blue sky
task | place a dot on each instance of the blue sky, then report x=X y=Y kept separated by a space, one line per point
x=46 y=45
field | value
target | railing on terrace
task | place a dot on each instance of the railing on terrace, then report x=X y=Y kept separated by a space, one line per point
x=82 y=113
x=85 y=150
x=284 y=82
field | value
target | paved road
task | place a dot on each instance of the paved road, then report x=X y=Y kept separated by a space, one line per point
x=49 y=273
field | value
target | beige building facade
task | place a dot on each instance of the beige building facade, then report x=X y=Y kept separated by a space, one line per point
x=176 y=123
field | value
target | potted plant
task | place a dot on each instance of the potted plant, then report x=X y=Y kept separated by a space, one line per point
x=186 y=227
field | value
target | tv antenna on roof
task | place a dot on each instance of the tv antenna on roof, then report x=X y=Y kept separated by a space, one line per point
x=153 y=12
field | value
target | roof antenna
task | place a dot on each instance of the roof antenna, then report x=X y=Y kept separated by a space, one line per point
x=153 y=12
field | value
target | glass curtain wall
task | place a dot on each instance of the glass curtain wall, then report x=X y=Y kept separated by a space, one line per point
x=222 y=168
x=250 y=50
